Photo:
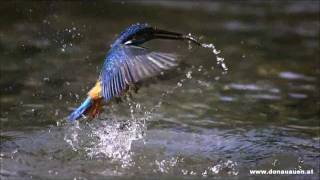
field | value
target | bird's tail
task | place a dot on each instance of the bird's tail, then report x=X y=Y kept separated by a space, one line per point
x=91 y=107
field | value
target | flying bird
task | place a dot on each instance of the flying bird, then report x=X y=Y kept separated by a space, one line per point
x=127 y=64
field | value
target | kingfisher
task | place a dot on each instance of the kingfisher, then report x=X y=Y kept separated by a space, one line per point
x=127 y=64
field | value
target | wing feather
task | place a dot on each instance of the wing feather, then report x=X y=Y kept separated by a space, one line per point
x=127 y=65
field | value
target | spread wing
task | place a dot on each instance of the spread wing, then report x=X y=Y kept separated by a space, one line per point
x=127 y=65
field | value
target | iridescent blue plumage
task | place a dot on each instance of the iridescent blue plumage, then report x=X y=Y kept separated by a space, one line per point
x=129 y=32
x=126 y=64
x=76 y=114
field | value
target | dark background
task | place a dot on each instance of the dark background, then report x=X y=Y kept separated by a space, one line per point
x=263 y=113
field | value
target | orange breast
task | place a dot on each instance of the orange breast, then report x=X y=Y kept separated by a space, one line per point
x=95 y=92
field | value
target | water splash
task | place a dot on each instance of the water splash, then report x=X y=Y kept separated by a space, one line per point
x=209 y=169
x=114 y=140
x=110 y=138
x=72 y=136
x=164 y=166
x=219 y=59
x=229 y=167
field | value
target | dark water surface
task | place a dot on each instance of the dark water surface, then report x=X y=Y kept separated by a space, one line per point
x=194 y=122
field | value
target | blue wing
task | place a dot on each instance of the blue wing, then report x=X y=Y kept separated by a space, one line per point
x=127 y=65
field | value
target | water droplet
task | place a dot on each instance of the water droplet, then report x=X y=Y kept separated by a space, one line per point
x=219 y=59
x=216 y=51
x=275 y=162
x=56 y=112
x=224 y=67
x=189 y=76
x=189 y=42
x=47 y=79
x=205 y=173
x=184 y=171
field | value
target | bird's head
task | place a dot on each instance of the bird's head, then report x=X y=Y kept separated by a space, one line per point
x=137 y=34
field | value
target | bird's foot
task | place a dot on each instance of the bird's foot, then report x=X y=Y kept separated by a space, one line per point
x=96 y=108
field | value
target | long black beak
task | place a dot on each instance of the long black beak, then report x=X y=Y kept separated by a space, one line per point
x=163 y=34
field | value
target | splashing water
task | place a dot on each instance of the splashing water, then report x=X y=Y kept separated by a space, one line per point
x=113 y=139
x=209 y=169
x=115 y=143
x=220 y=60
x=109 y=138
x=228 y=167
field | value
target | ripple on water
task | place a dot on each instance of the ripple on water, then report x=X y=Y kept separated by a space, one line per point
x=227 y=98
x=253 y=87
x=295 y=76
x=298 y=95
x=265 y=97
